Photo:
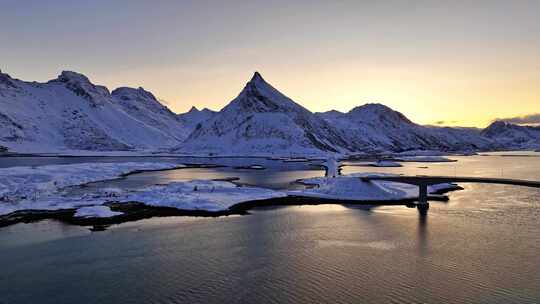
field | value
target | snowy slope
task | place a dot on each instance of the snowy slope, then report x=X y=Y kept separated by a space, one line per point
x=375 y=127
x=194 y=116
x=263 y=120
x=71 y=113
x=513 y=136
x=144 y=106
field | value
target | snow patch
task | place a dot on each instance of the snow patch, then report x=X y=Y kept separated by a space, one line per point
x=96 y=211
x=200 y=195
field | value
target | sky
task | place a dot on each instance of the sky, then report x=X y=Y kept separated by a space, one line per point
x=438 y=62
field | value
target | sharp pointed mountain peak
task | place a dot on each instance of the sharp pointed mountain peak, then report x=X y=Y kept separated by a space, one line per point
x=257 y=78
x=257 y=82
x=194 y=109
x=260 y=96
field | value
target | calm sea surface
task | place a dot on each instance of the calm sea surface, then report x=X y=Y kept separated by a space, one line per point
x=482 y=246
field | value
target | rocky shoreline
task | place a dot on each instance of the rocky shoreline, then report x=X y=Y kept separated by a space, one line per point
x=133 y=211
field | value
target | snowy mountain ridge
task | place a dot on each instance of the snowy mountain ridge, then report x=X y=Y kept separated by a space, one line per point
x=511 y=135
x=195 y=116
x=376 y=127
x=71 y=113
x=262 y=119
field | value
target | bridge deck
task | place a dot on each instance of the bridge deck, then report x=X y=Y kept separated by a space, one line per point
x=431 y=180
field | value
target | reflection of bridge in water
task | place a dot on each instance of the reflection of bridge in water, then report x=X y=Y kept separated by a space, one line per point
x=423 y=181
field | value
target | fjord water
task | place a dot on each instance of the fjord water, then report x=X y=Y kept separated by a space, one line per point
x=479 y=247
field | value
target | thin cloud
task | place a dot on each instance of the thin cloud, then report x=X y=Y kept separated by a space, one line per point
x=531 y=119
x=445 y=122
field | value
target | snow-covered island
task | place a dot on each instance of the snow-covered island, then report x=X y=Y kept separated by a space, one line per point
x=44 y=192
x=19 y=183
x=27 y=192
x=352 y=188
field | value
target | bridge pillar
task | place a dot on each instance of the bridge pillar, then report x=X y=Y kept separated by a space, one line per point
x=423 y=208
x=422 y=194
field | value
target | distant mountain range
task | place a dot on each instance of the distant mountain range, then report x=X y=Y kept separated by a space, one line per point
x=71 y=113
x=513 y=136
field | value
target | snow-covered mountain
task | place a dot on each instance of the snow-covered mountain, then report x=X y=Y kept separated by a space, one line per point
x=194 y=117
x=374 y=127
x=71 y=113
x=143 y=106
x=513 y=136
x=263 y=120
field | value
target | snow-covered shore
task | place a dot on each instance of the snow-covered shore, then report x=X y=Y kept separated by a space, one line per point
x=17 y=183
x=352 y=188
x=204 y=195
x=200 y=195
x=43 y=189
